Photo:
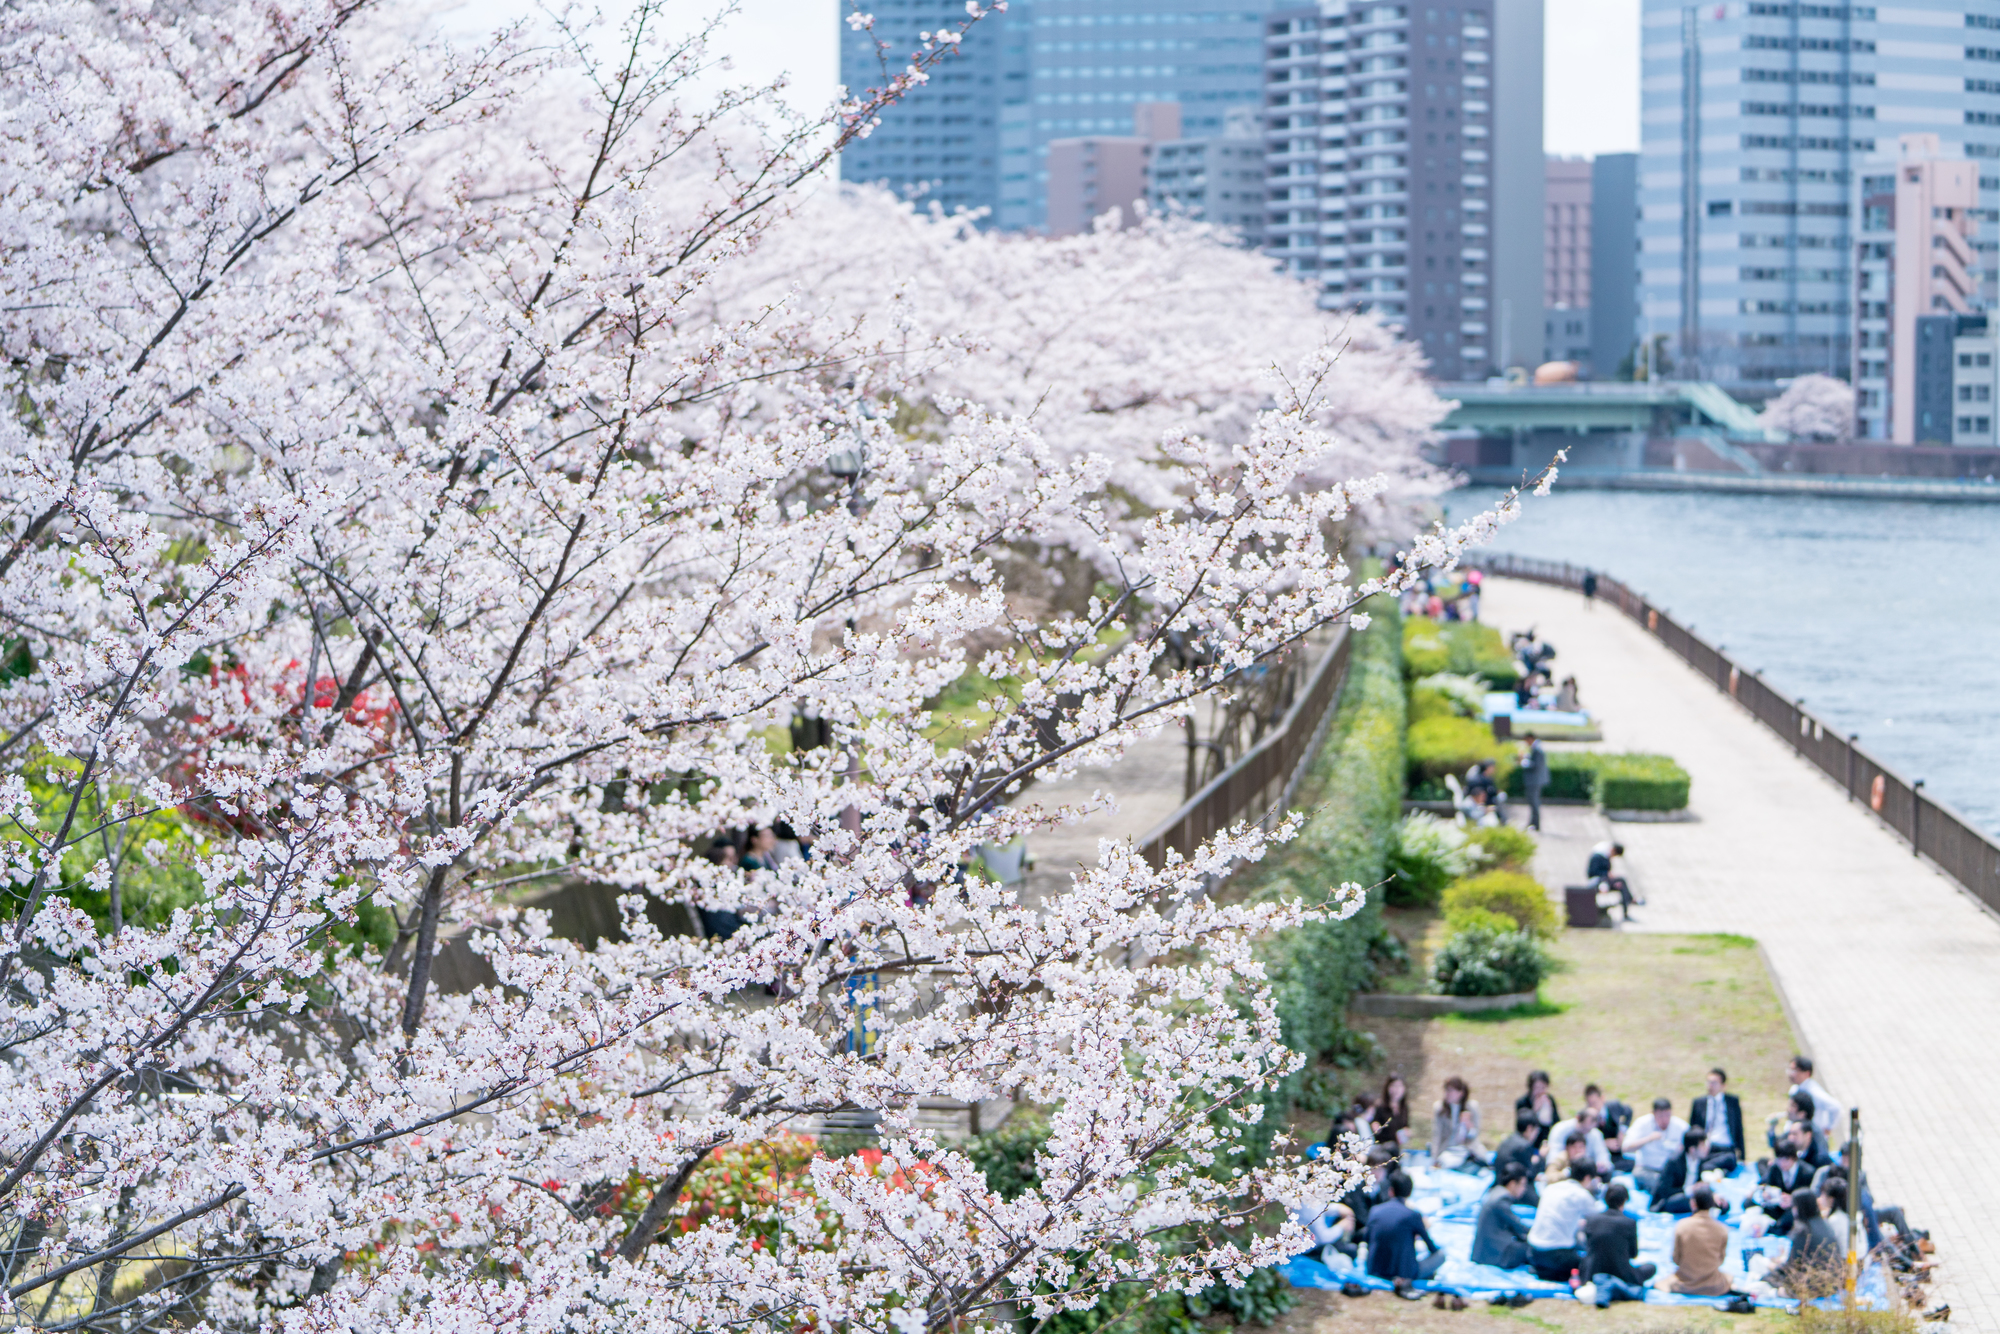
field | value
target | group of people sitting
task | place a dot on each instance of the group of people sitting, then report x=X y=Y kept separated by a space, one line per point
x=1572 y=1172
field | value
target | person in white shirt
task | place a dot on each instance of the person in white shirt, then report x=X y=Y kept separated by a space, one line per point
x=1828 y=1115
x=1654 y=1142
x=1553 y=1239
x=1584 y=1126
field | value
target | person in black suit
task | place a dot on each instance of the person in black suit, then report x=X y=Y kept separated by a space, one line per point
x=1679 y=1177
x=1774 y=1191
x=1720 y=1116
x=1500 y=1238
x=1610 y=1245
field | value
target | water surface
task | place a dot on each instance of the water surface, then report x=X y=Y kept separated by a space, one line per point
x=1883 y=615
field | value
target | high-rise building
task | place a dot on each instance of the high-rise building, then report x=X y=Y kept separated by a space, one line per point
x=1089 y=62
x=1404 y=158
x=1917 y=285
x=1614 y=261
x=1094 y=174
x=978 y=134
x=1566 y=233
x=1218 y=179
x=941 y=142
x=1756 y=118
x=1566 y=260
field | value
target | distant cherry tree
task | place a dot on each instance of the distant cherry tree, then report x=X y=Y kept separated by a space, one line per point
x=1813 y=407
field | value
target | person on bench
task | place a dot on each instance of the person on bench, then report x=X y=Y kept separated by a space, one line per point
x=1598 y=871
x=1554 y=1242
x=1501 y=1239
x=1394 y=1229
x=1675 y=1192
x=1611 y=1245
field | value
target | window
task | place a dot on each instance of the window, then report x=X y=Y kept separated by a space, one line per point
x=1719 y=208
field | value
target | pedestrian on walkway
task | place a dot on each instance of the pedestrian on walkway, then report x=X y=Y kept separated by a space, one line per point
x=1534 y=777
x=1590 y=588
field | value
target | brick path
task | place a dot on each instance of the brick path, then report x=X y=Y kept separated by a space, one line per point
x=1891 y=973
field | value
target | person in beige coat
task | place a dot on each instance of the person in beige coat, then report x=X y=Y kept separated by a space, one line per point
x=1700 y=1245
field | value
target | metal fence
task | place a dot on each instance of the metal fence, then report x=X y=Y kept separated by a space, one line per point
x=1262 y=782
x=1931 y=828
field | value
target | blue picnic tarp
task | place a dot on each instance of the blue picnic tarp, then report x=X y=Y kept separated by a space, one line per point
x=1500 y=704
x=1449 y=1202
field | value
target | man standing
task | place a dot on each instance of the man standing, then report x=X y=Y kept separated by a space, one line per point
x=1654 y=1142
x=1534 y=777
x=1719 y=1114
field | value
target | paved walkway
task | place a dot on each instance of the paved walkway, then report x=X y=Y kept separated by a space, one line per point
x=1891 y=972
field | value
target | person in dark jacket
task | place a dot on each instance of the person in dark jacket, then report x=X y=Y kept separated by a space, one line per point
x=1675 y=1192
x=1610 y=1248
x=1542 y=1104
x=1519 y=1150
x=1534 y=777
x=1394 y=1229
x=1500 y=1238
x=1813 y=1269
x=1718 y=1113
x=1784 y=1175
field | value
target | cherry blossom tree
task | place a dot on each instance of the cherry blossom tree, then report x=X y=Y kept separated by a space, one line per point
x=1813 y=407
x=395 y=516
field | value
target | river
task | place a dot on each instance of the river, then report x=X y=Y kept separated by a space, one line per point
x=1883 y=615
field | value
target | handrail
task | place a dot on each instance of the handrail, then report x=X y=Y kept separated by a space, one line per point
x=1266 y=775
x=1931 y=828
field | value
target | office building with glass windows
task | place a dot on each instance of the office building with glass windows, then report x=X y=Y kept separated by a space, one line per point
x=1760 y=119
x=977 y=135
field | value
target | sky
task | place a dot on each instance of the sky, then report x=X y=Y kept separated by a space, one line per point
x=1590 y=77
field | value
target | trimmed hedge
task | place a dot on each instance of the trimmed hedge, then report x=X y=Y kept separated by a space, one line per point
x=1642 y=783
x=1620 y=781
x=1354 y=793
x=1440 y=746
x=1518 y=898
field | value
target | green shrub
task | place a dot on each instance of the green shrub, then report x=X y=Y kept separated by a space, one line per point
x=1428 y=854
x=1467 y=694
x=1572 y=776
x=1517 y=897
x=1618 y=780
x=1485 y=962
x=1478 y=919
x=1441 y=746
x=1006 y=1156
x=1432 y=704
x=1505 y=847
x=1426 y=651
x=1641 y=783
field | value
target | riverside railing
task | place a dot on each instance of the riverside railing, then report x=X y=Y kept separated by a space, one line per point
x=1930 y=828
x=1261 y=782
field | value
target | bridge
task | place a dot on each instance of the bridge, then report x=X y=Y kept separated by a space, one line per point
x=1661 y=408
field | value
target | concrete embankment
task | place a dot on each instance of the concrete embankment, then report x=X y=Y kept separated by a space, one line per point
x=1890 y=972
